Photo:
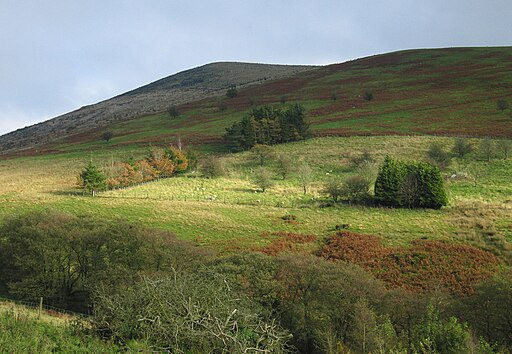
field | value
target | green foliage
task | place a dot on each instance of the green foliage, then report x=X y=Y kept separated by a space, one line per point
x=263 y=178
x=262 y=153
x=178 y=158
x=334 y=188
x=232 y=92
x=173 y=112
x=368 y=96
x=62 y=258
x=501 y=105
x=187 y=313
x=304 y=175
x=19 y=333
x=462 y=147
x=442 y=336
x=488 y=310
x=285 y=165
x=213 y=167
x=504 y=147
x=487 y=149
x=438 y=156
x=356 y=188
x=410 y=184
x=268 y=126
x=106 y=136
x=92 y=179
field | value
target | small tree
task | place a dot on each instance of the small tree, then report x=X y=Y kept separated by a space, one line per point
x=92 y=179
x=356 y=188
x=305 y=176
x=285 y=165
x=213 y=167
x=364 y=157
x=438 y=156
x=283 y=99
x=221 y=105
x=334 y=97
x=178 y=158
x=106 y=136
x=462 y=147
x=334 y=188
x=232 y=92
x=501 y=105
x=262 y=153
x=505 y=147
x=174 y=112
x=263 y=178
x=487 y=149
x=475 y=173
x=368 y=96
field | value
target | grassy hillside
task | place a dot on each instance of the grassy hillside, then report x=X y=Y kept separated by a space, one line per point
x=434 y=91
x=190 y=85
x=22 y=331
x=229 y=212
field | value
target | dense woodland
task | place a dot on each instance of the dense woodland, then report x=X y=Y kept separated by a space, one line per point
x=147 y=286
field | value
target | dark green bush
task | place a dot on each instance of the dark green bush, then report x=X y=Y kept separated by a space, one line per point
x=410 y=184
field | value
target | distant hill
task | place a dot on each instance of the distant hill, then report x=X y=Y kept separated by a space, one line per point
x=204 y=81
x=451 y=91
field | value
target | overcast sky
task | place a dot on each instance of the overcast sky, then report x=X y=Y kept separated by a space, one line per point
x=56 y=56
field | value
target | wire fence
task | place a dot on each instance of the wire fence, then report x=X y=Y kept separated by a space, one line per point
x=41 y=306
x=143 y=195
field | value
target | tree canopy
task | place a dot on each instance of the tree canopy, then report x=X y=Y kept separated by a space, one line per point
x=268 y=126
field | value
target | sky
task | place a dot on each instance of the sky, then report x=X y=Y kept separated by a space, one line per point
x=58 y=55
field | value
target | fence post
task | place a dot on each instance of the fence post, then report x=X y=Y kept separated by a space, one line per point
x=40 y=308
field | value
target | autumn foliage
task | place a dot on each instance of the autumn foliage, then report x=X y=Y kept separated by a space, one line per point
x=287 y=242
x=424 y=266
x=158 y=163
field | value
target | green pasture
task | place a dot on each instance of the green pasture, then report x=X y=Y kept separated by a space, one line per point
x=231 y=212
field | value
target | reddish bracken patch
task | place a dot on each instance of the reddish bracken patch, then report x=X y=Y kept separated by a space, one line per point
x=287 y=242
x=425 y=266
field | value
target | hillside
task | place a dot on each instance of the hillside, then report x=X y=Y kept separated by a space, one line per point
x=205 y=81
x=433 y=91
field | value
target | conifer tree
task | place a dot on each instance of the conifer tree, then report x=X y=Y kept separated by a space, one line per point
x=92 y=179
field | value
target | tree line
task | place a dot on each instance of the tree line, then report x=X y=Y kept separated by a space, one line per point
x=159 y=163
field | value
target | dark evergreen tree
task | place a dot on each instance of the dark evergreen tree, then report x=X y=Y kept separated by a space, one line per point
x=387 y=185
x=92 y=179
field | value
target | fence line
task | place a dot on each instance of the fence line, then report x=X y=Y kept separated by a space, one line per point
x=202 y=199
x=48 y=308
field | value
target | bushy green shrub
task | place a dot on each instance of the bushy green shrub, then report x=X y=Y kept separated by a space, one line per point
x=213 y=167
x=410 y=184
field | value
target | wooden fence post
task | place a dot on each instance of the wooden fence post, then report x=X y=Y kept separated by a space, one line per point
x=40 y=308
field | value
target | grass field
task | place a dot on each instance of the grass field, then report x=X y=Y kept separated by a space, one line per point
x=230 y=213
x=23 y=331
